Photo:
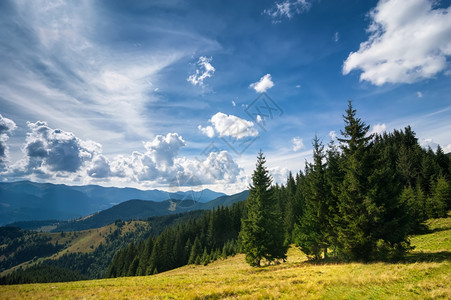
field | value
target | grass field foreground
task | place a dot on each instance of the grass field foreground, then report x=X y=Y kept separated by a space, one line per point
x=425 y=274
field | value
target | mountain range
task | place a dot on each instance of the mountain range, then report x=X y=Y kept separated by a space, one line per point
x=25 y=200
x=143 y=209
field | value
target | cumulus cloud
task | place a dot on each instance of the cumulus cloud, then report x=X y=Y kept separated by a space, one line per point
x=287 y=9
x=378 y=129
x=6 y=127
x=54 y=151
x=263 y=84
x=216 y=167
x=229 y=126
x=204 y=71
x=298 y=143
x=208 y=131
x=409 y=41
x=160 y=164
x=163 y=149
x=157 y=166
x=58 y=155
x=99 y=168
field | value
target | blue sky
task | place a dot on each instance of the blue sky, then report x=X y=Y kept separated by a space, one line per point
x=183 y=94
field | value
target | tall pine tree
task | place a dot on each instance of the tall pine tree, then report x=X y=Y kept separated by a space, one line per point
x=353 y=238
x=262 y=233
x=312 y=231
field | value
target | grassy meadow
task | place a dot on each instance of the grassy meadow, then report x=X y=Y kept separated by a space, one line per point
x=424 y=274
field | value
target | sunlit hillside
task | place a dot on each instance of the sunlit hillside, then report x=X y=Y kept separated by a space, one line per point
x=85 y=241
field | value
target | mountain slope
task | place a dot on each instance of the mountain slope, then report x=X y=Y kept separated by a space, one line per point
x=25 y=200
x=143 y=209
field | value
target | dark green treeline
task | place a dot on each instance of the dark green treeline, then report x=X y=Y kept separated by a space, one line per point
x=197 y=241
x=362 y=198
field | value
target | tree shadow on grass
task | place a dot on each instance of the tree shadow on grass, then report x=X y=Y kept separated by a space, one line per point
x=414 y=257
x=409 y=258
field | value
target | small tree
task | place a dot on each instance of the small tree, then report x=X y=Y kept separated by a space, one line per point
x=437 y=203
x=262 y=232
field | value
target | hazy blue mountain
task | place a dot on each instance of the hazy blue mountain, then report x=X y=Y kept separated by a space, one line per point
x=143 y=209
x=25 y=200
x=226 y=200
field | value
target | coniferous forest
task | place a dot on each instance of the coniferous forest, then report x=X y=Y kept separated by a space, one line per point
x=359 y=199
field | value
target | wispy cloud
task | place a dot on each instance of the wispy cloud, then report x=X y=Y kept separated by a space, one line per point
x=409 y=41
x=62 y=68
x=287 y=9
x=205 y=70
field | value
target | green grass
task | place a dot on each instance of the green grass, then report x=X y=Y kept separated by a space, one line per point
x=425 y=274
x=438 y=239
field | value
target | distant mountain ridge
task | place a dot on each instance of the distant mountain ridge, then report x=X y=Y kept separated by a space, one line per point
x=26 y=200
x=143 y=209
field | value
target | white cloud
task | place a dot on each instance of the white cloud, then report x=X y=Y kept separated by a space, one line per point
x=6 y=127
x=53 y=152
x=59 y=156
x=409 y=41
x=336 y=36
x=233 y=103
x=263 y=84
x=208 y=131
x=230 y=126
x=279 y=175
x=163 y=149
x=378 y=129
x=298 y=86
x=333 y=135
x=298 y=143
x=428 y=142
x=419 y=94
x=447 y=149
x=205 y=70
x=287 y=9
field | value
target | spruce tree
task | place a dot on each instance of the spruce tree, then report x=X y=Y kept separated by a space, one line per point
x=311 y=234
x=262 y=233
x=437 y=203
x=372 y=222
x=196 y=252
x=353 y=238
